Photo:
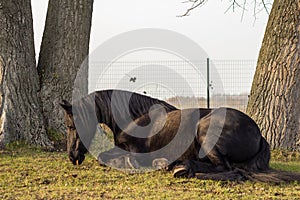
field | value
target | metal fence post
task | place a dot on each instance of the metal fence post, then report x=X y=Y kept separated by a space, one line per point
x=208 y=84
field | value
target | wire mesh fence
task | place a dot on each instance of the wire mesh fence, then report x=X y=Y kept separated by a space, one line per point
x=208 y=82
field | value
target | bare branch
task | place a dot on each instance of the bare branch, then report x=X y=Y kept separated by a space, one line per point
x=265 y=6
x=254 y=14
x=196 y=4
x=244 y=9
x=259 y=5
x=235 y=3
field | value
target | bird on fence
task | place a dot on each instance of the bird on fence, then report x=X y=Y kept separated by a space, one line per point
x=131 y=79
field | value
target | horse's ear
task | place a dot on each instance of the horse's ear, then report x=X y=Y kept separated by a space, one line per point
x=66 y=106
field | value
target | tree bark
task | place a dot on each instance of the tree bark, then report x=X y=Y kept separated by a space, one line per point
x=274 y=100
x=65 y=46
x=21 y=117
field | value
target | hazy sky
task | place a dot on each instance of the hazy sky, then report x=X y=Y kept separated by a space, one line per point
x=222 y=35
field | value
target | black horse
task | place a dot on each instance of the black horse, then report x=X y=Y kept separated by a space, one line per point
x=195 y=140
x=236 y=140
x=115 y=108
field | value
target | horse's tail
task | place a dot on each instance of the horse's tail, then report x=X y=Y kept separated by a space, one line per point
x=260 y=162
x=257 y=170
x=269 y=176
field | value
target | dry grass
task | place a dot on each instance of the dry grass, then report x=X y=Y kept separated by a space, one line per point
x=30 y=173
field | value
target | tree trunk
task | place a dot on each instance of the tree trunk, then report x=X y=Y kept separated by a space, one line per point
x=274 y=100
x=64 y=47
x=21 y=117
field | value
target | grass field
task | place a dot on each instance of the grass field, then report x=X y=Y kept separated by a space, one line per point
x=30 y=173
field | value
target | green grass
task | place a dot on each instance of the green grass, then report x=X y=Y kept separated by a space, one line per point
x=29 y=173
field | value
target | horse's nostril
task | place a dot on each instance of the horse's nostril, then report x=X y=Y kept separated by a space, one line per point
x=71 y=157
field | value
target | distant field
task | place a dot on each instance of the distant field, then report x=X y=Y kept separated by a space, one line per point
x=28 y=173
x=234 y=101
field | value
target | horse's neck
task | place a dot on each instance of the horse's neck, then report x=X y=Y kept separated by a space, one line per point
x=115 y=109
x=105 y=116
x=109 y=121
x=119 y=118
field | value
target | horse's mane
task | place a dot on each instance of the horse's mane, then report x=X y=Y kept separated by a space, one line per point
x=138 y=104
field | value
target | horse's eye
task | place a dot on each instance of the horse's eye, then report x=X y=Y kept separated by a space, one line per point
x=71 y=127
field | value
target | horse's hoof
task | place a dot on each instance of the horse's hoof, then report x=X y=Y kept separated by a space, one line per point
x=160 y=163
x=131 y=163
x=100 y=161
x=180 y=171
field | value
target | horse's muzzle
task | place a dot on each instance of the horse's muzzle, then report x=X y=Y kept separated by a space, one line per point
x=77 y=160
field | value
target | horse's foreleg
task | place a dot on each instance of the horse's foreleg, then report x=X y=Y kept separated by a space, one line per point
x=113 y=153
x=118 y=158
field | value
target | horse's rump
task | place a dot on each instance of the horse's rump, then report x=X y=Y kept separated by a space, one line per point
x=229 y=134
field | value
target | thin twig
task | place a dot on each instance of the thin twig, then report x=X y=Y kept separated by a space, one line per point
x=265 y=6
x=254 y=14
x=244 y=8
x=196 y=3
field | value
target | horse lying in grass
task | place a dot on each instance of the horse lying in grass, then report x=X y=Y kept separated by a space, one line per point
x=213 y=142
x=226 y=138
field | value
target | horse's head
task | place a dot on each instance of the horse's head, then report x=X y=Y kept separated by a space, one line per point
x=75 y=147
